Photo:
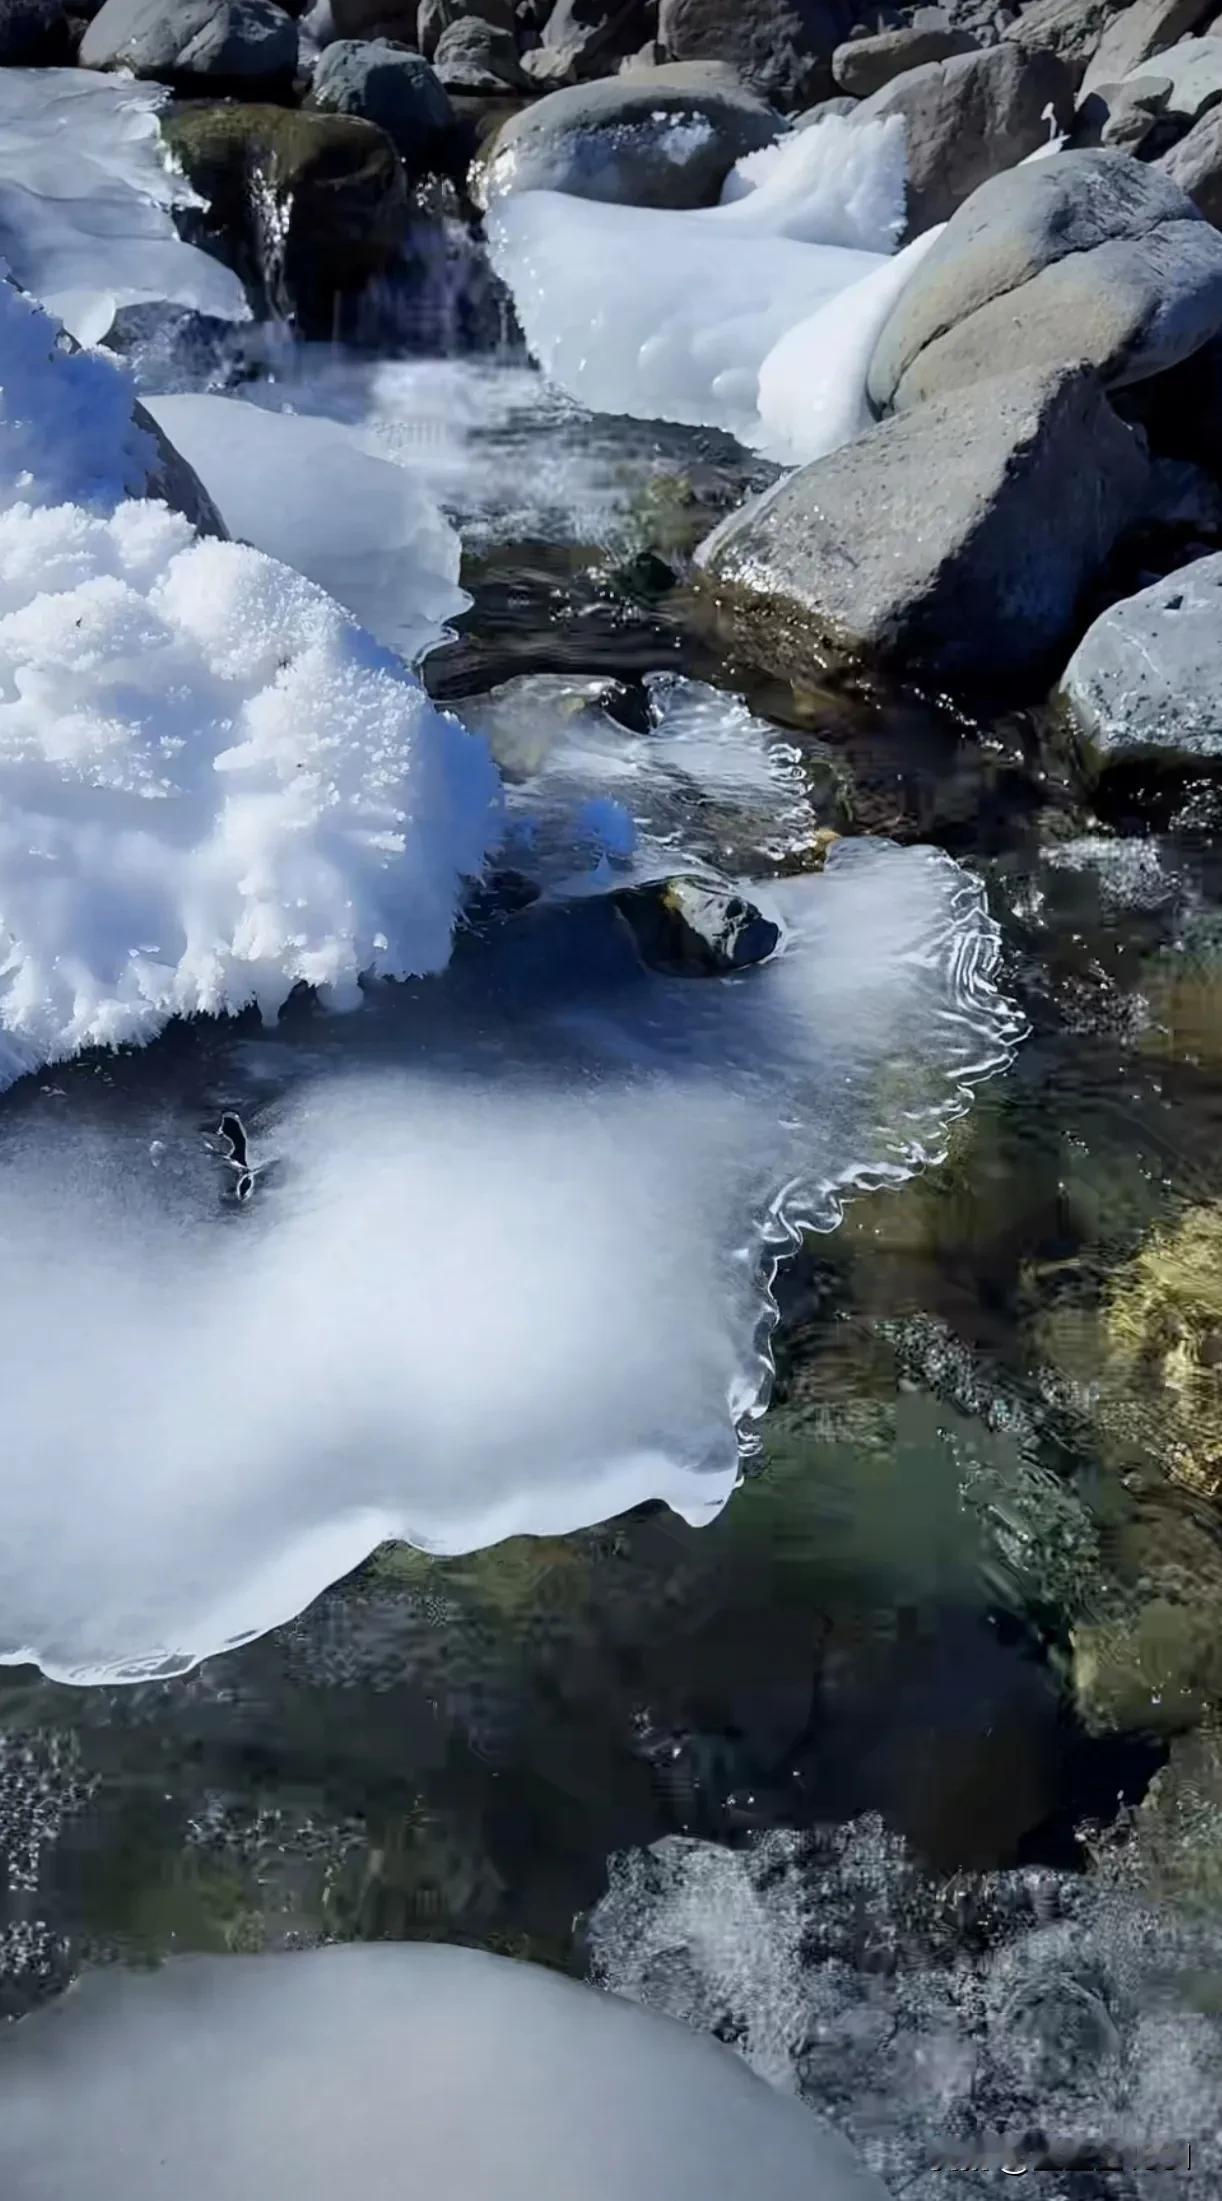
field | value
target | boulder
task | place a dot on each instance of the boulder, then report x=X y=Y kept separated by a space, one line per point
x=396 y=90
x=231 y=41
x=1130 y=117
x=474 y=56
x=662 y=137
x=967 y=119
x=1194 y=68
x=1084 y=256
x=840 y=104
x=958 y=537
x=696 y=927
x=1195 y=164
x=589 y=36
x=782 y=47
x=1138 y=32
x=34 y=30
x=1145 y=683
x=863 y=65
x=333 y=185
x=1070 y=29
x=435 y=16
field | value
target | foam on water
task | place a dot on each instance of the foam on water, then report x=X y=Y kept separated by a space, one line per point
x=948 y=2028
x=87 y=201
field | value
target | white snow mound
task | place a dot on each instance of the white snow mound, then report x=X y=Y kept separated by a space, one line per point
x=213 y=784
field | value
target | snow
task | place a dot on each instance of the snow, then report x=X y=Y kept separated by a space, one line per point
x=87 y=199
x=678 y=315
x=214 y=785
x=388 y=2070
x=311 y=493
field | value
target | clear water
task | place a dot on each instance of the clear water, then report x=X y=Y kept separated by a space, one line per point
x=962 y=1614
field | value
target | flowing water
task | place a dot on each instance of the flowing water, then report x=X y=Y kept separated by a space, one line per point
x=939 y=1680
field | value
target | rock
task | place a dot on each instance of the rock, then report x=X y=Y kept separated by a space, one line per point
x=959 y=536
x=231 y=41
x=821 y=109
x=696 y=928
x=1138 y=32
x=1195 y=164
x=1070 y=29
x=331 y=184
x=474 y=56
x=667 y=137
x=435 y=16
x=588 y=35
x=398 y=91
x=968 y=118
x=1145 y=683
x=1127 y=117
x=1086 y=255
x=1195 y=70
x=863 y=65
x=34 y=31
x=782 y=47
x=169 y=477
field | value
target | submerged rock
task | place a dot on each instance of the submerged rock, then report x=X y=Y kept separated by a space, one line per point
x=230 y=40
x=966 y=119
x=863 y=65
x=500 y=2080
x=1145 y=683
x=696 y=928
x=958 y=536
x=1084 y=256
x=782 y=47
x=667 y=138
x=383 y=84
x=1164 y=1325
x=306 y=206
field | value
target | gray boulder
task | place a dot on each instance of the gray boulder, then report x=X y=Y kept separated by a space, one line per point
x=959 y=537
x=1145 y=683
x=1195 y=164
x=1194 y=68
x=1071 y=29
x=863 y=65
x=588 y=36
x=661 y=137
x=33 y=30
x=384 y=84
x=1130 y=117
x=1138 y=32
x=1084 y=256
x=782 y=47
x=474 y=56
x=967 y=119
x=226 y=40
x=839 y=105
x=432 y=17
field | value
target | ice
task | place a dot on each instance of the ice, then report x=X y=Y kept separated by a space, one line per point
x=87 y=199
x=673 y=315
x=310 y=492
x=707 y=785
x=213 y=784
x=505 y=1267
x=390 y=2071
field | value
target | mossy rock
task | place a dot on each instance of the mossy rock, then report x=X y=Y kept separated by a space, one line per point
x=1163 y=1326
x=307 y=207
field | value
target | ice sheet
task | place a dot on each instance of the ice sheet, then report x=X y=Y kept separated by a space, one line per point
x=86 y=199
x=392 y=2072
x=309 y=491
x=504 y=1266
x=666 y=315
